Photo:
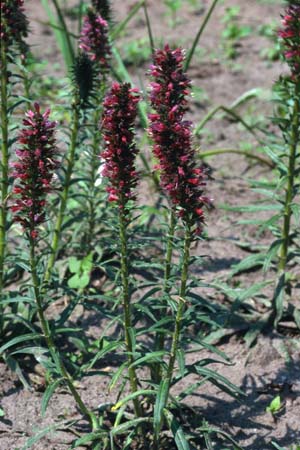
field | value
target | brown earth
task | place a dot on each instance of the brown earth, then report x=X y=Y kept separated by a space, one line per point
x=272 y=366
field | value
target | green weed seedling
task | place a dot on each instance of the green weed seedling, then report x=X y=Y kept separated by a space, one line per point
x=233 y=32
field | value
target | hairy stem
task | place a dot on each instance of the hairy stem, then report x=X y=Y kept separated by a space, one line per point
x=199 y=34
x=181 y=302
x=126 y=305
x=4 y=167
x=290 y=184
x=64 y=195
x=94 y=166
x=277 y=302
x=50 y=343
x=160 y=337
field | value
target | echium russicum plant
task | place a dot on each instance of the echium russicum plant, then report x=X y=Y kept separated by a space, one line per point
x=180 y=176
x=95 y=45
x=33 y=173
x=13 y=30
x=288 y=120
x=34 y=169
x=119 y=114
x=94 y=39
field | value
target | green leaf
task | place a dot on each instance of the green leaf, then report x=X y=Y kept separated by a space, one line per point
x=181 y=361
x=160 y=404
x=120 y=429
x=19 y=339
x=15 y=367
x=117 y=375
x=248 y=263
x=178 y=433
x=38 y=436
x=278 y=299
x=107 y=349
x=48 y=394
x=150 y=357
x=2 y=414
x=74 y=264
x=90 y=437
x=128 y=398
x=275 y=405
x=79 y=281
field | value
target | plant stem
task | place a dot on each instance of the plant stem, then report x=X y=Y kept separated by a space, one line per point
x=50 y=343
x=290 y=183
x=65 y=193
x=160 y=337
x=248 y=154
x=126 y=304
x=277 y=303
x=94 y=165
x=178 y=321
x=71 y=54
x=198 y=35
x=181 y=302
x=4 y=168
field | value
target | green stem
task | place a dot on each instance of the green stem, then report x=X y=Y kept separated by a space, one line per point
x=26 y=83
x=178 y=322
x=94 y=165
x=50 y=343
x=283 y=253
x=198 y=35
x=220 y=151
x=64 y=195
x=66 y=32
x=181 y=302
x=150 y=34
x=160 y=337
x=4 y=168
x=126 y=305
x=231 y=113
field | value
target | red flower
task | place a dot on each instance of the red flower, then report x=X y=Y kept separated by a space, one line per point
x=181 y=177
x=290 y=33
x=94 y=39
x=34 y=169
x=120 y=110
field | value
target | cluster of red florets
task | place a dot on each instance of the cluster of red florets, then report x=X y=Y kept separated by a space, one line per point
x=120 y=110
x=181 y=177
x=94 y=39
x=290 y=33
x=34 y=169
x=14 y=24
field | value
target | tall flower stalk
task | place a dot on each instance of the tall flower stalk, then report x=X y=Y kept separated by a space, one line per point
x=33 y=174
x=120 y=110
x=94 y=43
x=290 y=35
x=65 y=193
x=180 y=178
x=14 y=28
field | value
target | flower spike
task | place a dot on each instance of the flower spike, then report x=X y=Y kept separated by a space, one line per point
x=120 y=111
x=290 y=34
x=181 y=177
x=94 y=39
x=34 y=169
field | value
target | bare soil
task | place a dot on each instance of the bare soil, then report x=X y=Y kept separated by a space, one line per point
x=269 y=368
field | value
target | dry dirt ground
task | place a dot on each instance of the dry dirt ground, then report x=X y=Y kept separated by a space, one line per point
x=272 y=366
